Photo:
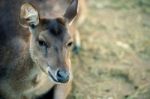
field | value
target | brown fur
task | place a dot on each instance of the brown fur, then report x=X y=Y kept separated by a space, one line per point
x=23 y=71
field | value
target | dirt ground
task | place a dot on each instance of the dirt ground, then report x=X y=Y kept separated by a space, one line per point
x=114 y=61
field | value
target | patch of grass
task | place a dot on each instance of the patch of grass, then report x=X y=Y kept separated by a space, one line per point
x=115 y=40
x=142 y=93
x=120 y=75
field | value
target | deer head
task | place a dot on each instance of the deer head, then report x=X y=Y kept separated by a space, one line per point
x=50 y=41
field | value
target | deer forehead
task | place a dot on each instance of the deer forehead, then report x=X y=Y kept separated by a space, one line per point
x=54 y=29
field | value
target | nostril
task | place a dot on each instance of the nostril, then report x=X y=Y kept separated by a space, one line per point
x=62 y=76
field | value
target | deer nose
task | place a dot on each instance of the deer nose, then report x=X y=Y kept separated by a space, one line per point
x=62 y=76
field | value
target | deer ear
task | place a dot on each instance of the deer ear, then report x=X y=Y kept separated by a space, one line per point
x=71 y=11
x=28 y=15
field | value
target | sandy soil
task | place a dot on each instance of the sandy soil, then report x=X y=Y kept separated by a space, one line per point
x=114 y=61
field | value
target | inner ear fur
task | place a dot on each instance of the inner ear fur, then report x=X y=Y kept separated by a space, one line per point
x=29 y=15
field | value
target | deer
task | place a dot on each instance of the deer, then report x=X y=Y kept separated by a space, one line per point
x=35 y=51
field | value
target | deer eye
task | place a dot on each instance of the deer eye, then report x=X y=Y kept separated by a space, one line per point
x=42 y=43
x=70 y=44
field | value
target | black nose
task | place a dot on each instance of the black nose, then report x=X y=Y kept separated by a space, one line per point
x=62 y=76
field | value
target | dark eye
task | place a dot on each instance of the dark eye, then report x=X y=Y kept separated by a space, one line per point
x=70 y=44
x=42 y=43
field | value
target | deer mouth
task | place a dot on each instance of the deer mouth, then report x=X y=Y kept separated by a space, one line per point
x=51 y=75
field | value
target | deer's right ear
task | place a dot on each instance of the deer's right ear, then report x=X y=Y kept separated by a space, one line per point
x=28 y=15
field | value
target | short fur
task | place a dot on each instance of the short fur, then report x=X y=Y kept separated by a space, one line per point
x=21 y=74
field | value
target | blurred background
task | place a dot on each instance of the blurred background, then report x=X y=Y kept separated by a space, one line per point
x=114 y=60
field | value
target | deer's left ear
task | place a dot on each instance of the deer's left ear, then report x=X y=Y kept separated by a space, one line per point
x=29 y=15
x=71 y=11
